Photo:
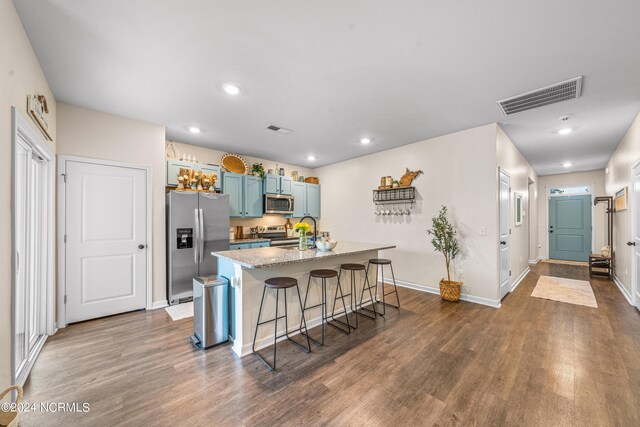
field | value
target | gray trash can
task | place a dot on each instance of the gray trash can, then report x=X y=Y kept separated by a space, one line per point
x=210 y=311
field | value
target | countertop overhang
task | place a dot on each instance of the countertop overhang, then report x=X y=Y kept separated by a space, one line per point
x=274 y=256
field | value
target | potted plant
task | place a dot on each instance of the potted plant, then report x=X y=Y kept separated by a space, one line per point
x=445 y=241
x=301 y=228
x=258 y=170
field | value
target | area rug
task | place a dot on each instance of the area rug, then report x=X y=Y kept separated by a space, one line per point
x=571 y=291
x=180 y=311
x=560 y=261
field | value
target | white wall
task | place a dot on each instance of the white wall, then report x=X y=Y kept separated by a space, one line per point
x=593 y=178
x=460 y=171
x=619 y=176
x=20 y=75
x=88 y=133
x=211 y=156
x=512 y=161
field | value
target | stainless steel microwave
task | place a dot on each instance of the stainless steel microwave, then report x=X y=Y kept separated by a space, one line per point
x=278 y=204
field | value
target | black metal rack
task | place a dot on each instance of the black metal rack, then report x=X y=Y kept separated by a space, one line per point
x=394 y=195
x=600 y=265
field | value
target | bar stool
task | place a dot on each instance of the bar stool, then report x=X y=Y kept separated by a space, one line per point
x=381 y=262
x=353 y=299
x=279 y=283
x=325 y=274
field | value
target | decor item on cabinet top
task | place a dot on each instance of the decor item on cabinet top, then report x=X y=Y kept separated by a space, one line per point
x=171 y=151
x=188 y=179
x=234 y=163
x=258 y=170
x=312 y=180
x=445 y=241
x=408 y=177
x=302 y=228
x=294 y=175
x=39 y=111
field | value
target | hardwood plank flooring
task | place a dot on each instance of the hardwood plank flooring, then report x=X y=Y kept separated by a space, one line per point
x=531 y=362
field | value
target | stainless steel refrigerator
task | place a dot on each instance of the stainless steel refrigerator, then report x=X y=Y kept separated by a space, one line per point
x=197 y=224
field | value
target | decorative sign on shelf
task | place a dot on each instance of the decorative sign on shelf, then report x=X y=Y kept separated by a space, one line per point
x=39 y=112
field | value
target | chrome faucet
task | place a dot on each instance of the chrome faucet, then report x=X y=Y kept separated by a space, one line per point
x=315 y=229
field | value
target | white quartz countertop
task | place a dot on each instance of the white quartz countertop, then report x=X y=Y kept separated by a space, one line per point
x=274 y=256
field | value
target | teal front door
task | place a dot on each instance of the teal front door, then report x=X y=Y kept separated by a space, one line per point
x=570 y=228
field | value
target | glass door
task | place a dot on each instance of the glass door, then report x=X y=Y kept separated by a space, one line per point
x=30 y=263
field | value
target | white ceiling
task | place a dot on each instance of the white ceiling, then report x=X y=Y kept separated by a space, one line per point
x=335 y=71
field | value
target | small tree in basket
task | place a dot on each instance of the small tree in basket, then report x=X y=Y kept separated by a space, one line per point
x=444 y=239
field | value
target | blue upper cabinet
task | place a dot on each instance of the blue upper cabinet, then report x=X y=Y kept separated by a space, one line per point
x=276 y=184
x=313 y=200
x=299 y=192
x=245 y=195
x=173 y=169
x=285 y=185
x=253 y=196
x=272 y=184
x=213 y=169
x=232 y=184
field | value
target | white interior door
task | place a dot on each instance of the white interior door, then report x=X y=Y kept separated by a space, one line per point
x=505 y=234
x=106 y=247
x=636 y=232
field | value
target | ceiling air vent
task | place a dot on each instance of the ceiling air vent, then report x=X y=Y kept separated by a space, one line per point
x=563 y=91
x=278 y=129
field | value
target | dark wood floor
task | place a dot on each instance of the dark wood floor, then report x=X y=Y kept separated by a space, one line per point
x=531 y=362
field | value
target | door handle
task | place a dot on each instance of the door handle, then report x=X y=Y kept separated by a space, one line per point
x=201 y=236
x=196 y=238
x=141 y=246
x=550 y=231
x=631 y=243
x=503 y=242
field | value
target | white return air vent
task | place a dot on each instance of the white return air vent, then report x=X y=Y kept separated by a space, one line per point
x=563 y=91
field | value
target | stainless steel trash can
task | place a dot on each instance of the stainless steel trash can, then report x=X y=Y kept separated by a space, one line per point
x=210 y=311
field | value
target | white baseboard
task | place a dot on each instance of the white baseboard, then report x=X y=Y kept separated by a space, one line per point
x=520 y=279
x=432 y=290
x=622 y=289
x=159 y=304
x=535 y=261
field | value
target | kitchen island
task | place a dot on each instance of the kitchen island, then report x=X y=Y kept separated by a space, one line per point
x=247 y=269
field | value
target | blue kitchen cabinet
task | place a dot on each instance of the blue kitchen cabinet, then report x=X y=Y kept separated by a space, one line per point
x=253 y=196
x=260 y=244
x=285 y=185
x=299 y=192
x=272 y=184
x=276 y=184
x=237 y=246
x=173 y=169
x=245 y=195
x=208 y=169
x=313 y=200
x=232 y=184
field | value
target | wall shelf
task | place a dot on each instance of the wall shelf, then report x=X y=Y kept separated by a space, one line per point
x=394 y=195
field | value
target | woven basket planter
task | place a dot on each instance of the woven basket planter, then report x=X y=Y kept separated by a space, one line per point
x=450 y=291
x=10 y=418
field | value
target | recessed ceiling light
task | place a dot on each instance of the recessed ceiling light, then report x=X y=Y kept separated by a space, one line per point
x=565 y=131
x=194 y=129
x=231 y=89
x=311 y=158
x=365 y=141
x=567 y=164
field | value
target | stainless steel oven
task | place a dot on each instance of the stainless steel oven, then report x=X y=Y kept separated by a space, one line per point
x=278 y=204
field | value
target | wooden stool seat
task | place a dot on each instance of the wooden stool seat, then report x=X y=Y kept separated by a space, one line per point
x=323 y=274
x=281 y=282
x=352 y=267
x=380 y=261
